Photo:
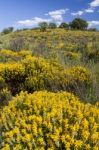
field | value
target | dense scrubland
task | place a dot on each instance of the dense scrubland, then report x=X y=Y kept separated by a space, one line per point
x=49 y=90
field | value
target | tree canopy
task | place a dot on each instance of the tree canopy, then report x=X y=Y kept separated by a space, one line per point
x=79 y=24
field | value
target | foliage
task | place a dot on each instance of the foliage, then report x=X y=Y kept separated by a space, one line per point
x=52 y=25
x=49 y=65
x=45 y=120
x=7 y=30
x=64 y=25
x=92 y=29
x=33 y=74
x=79 y=24
x=43 y=26
x=52 y=43
x=72 y=55
x=5 y=97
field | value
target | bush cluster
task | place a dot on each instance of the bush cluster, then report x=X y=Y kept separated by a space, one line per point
x=36 y=110
x=33 y=74
x=45 y=120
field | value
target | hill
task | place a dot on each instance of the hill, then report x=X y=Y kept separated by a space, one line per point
x=65 y=47
x=49 y=90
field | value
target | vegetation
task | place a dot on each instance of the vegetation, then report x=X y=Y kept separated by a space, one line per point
x=79 y=24
x=43 y=26
x=49 y=89
x=64 y=25
x=45 y=120
x=7 y=30
x=33 y=74
x=52 y=25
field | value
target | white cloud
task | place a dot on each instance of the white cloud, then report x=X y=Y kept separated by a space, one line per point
x=57 y=14
x=53 y=16
x=32 y=22
x=89 y=10
x=94 y=3
x=79 y=13
x=93 y=23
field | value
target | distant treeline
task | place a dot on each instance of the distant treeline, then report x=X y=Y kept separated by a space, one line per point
x=76 y=24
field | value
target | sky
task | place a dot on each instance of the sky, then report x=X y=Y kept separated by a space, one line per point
x=28 y=13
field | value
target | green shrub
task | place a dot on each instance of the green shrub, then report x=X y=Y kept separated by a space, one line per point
x=2 y=83
x=73 y=55
x=5 y=96
x=7 y=30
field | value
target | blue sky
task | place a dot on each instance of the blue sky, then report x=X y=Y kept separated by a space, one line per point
x=28 y=13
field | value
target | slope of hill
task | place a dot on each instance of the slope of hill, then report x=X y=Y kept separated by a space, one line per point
x=49 y=90
x=52 y=43
x=65 y=47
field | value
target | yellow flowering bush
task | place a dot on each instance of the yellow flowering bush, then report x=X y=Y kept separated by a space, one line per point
x=93 y=54
x=10 y=56
x=75 y=79
x=41 y=74
x=8 y=53
x=25 y=53
x=5 y=94
x=13 y=74
x=45 y=120
x=32 y=74
x=79 y=74
x=73 y=55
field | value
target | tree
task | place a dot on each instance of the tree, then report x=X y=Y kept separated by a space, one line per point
x=79 y=24
x=92 y=29
x=7 y=30
x=52 y=25
x=64 y=25
x=43 y=26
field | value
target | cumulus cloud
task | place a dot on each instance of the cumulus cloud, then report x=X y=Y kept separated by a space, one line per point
x=57 y=14
x=53 y=16
x=32 y=22
x=79 y=13
x=94 y=3
x=93 y=23
x=89 y=10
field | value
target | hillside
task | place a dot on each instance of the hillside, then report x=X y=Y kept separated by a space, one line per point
x=51 y=43
x=49 y=90
x=65 y=47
